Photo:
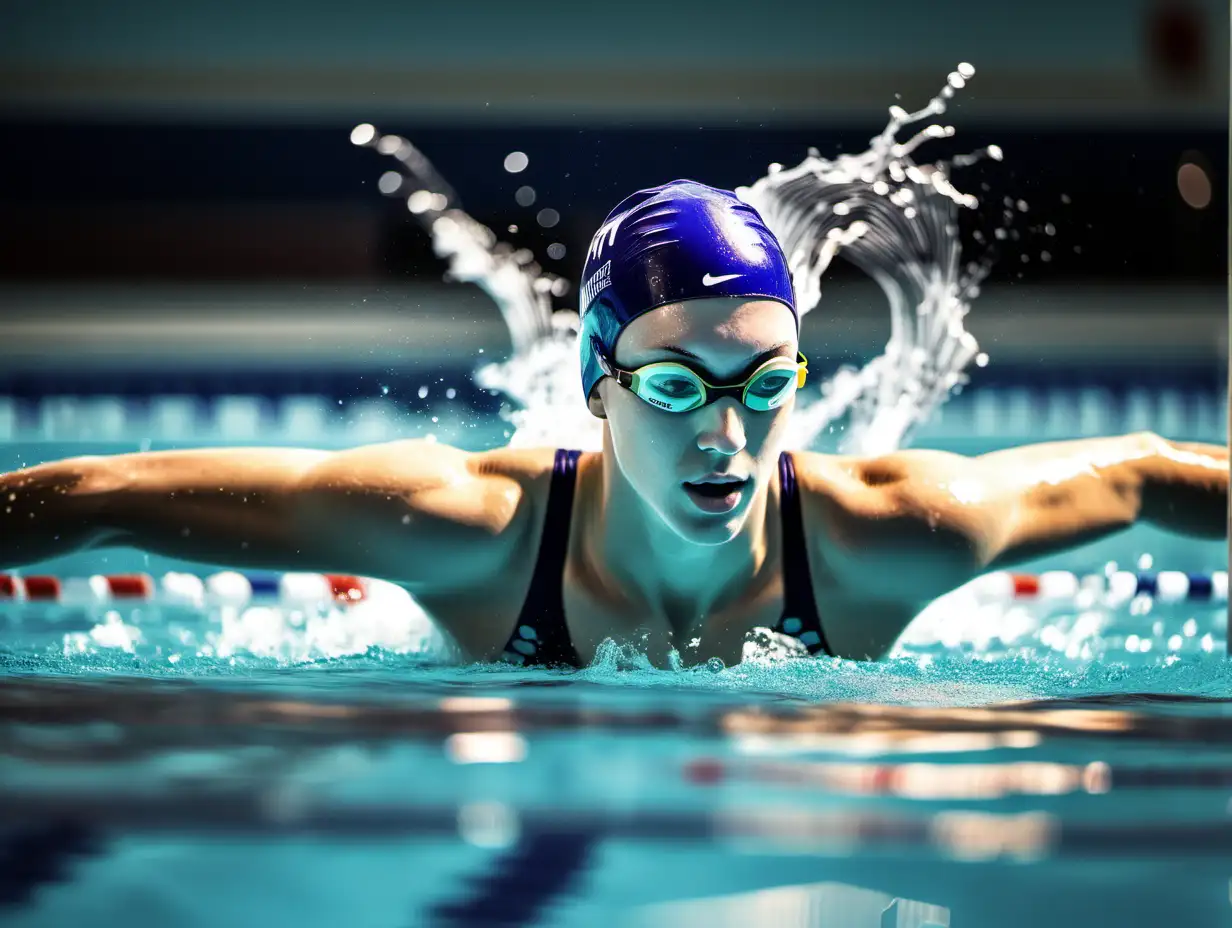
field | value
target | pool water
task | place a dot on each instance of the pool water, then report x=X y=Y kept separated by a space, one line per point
x=264 y=769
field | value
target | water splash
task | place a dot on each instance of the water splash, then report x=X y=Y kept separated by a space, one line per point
x=891 y=216
x=961 y=651
x=895 y=219
x=540 y=376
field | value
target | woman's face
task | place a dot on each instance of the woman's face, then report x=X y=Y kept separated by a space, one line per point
x=666 y=456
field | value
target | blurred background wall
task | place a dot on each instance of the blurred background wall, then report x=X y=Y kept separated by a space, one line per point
x=191 y=249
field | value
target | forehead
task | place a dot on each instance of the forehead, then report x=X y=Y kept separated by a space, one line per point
x=712 y=324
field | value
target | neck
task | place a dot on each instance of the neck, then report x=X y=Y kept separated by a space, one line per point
x=643 y=562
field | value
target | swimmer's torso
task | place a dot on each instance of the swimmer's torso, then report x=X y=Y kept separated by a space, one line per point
x=482 y=617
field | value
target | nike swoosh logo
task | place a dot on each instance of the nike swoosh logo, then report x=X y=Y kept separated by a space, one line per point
x=708 y=281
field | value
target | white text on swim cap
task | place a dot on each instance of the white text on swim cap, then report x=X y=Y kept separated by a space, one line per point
x=594 y=285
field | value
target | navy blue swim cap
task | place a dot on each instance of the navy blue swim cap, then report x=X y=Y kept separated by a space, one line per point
x=680 y=241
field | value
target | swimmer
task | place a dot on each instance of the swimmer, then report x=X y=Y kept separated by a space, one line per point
x=688 y=531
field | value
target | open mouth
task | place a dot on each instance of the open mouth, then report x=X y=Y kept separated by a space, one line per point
x=716 y=498
x=717 y=490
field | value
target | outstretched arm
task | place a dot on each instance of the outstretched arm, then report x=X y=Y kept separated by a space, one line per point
x=900 y=530
x=423 y=514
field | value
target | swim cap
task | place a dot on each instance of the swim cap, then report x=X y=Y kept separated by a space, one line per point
x=680 y=241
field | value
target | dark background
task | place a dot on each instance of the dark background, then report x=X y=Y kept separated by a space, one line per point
x=183 y=210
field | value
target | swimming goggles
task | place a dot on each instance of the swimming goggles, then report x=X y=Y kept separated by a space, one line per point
x=671 y=386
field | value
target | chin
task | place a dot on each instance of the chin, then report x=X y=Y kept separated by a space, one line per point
x=702 y=529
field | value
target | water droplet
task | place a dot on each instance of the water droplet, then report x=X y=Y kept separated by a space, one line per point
x=516 y=162
x=1045 y=256
x=450 y=393
x=525 y=196
x=1194 y=185
x=981 y=360
x=1065 y=199
x=556 y=251
x=1050 y=229
x=420 y=201
x=423 y=392
x=384 y=391
x=389 y=183
x=512 y=229
x=548 y=218
x=363 y=134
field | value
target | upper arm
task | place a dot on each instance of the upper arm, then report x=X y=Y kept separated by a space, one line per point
x=428 y=516
x=902 y=525
x=418 y=513
x=897 y=531
x=937 y=519
x=886 y=537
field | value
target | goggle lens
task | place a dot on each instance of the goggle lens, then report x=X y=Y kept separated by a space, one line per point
x=675 y=388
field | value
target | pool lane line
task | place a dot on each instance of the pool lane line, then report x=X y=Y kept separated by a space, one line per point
x=308 y=590
x=523 y=882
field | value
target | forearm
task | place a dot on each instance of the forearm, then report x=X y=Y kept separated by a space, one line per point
x=168 y=502
x=49 y=510
x=1052 y=497
x=1185 y=488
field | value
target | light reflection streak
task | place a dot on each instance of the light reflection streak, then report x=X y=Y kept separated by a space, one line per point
x=916 y=781
x=486 y=747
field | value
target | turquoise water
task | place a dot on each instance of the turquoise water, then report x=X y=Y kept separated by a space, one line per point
x=333 y=769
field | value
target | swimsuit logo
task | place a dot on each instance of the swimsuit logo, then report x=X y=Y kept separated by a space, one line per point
x=709 y=281
x=595 y=285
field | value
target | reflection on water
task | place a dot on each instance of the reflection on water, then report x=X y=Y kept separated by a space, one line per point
x=621 y=792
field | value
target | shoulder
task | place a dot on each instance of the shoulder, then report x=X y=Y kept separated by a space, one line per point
x=440 y=516
x=907 y=524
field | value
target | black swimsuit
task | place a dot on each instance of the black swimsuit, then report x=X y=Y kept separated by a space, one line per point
x=542 y=635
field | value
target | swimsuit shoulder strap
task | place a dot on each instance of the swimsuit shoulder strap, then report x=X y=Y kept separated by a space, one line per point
x=542 y=635
x=800 y=619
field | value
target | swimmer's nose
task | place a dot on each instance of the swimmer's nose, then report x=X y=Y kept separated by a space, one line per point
x=722 y=428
